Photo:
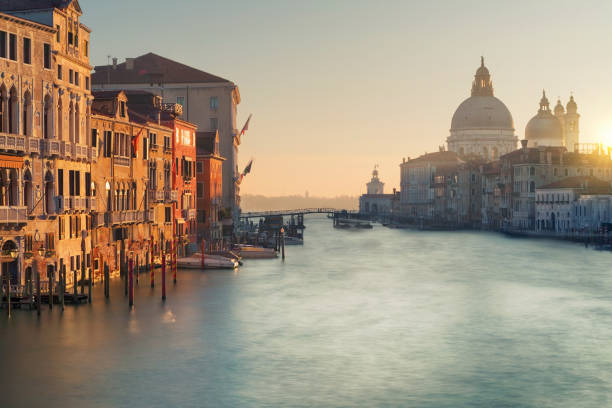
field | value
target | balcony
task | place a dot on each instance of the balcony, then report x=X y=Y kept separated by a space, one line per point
x=149 y=215
x=81 y=152
x=52 y=147
x=167 y=149
x=99 y=220
x=13 y=215
x=92 y=154
x=122 y=161
x=60 y=204
x=154 y=147
x=127 y=217
x=91 y=203
x=173 y=108
x=34 y=145
x=77 y=203
x=12 y=142
x=156 y=196
x=170 y=196
x=189 y=214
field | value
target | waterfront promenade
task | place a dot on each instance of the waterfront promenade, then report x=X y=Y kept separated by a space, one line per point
x=381 y=318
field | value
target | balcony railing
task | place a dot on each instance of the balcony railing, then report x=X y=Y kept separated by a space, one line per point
x=53 y=147
x=149 y=215
x=34 y=145
x=93 y=154
x=77 y=203
x=12 y=142
x=91 y=203
x=170 y=196
x=99 y=220
x=122 y=161
x=156 y=196
x=189 y=214
x=127 y=217
x=81 y=152
x=13 y=215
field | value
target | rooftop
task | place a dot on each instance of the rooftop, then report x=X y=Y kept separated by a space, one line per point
x=151 y=68
x=589 y=185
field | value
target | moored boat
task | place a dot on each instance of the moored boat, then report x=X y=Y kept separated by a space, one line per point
x=210 y=262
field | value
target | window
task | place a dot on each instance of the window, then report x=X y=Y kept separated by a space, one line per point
x=153 y=139
x=200 y=190
x=167 y=142
x=214 y=102
x=60 y=182
x=214 y=125
x=59 y=72
x=145 y=149
x=47 y=56
x=123 y=109
x=86 y=46
x=71 y=182
x=94 y=137
x=76 y=78
x=60 y=228
x=77 y=183
x=168 y=214
x=27 y=50
x=58 y=33
x=50 y=241
x=88 y=184
x=70 y=76
x=13 y=47
x=28 y=244
x=3 y=44
x=70 y=33
x=180 y=100
x=108 y=146
x=87 y=83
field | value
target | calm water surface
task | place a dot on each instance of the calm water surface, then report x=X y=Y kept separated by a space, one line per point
x=379 y=318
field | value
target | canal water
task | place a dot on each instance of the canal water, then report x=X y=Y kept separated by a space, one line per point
x=377 y=318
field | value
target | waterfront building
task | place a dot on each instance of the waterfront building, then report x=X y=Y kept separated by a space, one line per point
x=482 y=125
x=375 y=202
x=558 y=129
x=182 y=147
x=560 y=208
x=418 y=182
x=492 y=189
x=208 y=101
x=48 y=99
x=209 y=177
x=133 y=215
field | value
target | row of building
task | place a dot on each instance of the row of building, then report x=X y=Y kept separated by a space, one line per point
x=551 y=184
x=100 y=167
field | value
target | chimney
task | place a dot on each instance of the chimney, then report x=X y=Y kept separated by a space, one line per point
x=129 y=63
x=114 y=63
x=524 y=143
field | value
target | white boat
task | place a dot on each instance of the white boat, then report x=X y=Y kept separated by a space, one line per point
x=252 y=252
x=210 y=262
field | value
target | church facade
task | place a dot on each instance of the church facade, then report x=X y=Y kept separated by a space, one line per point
x=482 y=126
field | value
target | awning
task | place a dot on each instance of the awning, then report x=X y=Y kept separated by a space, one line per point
x=11 y=162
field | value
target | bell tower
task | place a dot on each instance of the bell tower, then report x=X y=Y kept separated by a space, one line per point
x=482 y=85
x=572 y=125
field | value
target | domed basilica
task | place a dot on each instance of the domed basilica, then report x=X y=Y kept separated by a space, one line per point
x=558 y=129
x=482 y=125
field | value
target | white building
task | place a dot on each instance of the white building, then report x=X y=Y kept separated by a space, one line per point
x=482 y=125
x=376 y=202
x=573 y=203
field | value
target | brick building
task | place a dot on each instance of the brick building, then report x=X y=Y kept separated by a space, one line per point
x=210 y=187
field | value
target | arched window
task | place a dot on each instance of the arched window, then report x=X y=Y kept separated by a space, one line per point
x=47 y=127
x=3 y=108
x=60 y=119
x=13 y=188
x=27 y=114
x=77 y=124
x=71 y=121
x=532 y=187
x=28 y=197
x=49 y=193
x=13 y=113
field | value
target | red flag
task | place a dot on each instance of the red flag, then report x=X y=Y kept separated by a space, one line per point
x=246 y=125
x=135 y=141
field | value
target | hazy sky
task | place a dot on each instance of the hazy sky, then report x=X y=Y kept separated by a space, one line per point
x=338 y=86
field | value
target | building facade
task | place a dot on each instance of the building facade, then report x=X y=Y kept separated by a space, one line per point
x=210 y=102
x=209 y=174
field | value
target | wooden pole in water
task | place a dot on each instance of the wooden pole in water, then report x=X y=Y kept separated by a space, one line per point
x=74 y=286
x=152 y=268
x=38 y=297
x=131 y=282
x=106 y=280
x=90 y=285
x=8 y=292
x=283 y=243
x=31 y=288
x=163 y=277
x=174 y=263
x=63 y=285
x=51 y=275
x=202 y=251
x=137 y=268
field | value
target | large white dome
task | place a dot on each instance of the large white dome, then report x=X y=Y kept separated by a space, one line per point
x=544 y=129
x=482 y=112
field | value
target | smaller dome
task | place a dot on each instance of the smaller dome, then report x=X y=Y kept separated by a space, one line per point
x=482 y=70
x=544 y=129
x=571 y=105
x=559 y=110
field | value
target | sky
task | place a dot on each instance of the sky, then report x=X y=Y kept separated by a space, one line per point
x=336 y=87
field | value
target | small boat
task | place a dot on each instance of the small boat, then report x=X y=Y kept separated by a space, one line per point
x=210 y=262
x=349 y=223
x=228 y=254
x=252 y=252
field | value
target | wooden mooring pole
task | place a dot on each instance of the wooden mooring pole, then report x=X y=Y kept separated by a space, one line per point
x=8 y=292
x=106 y=281
x=163 y=277
x=151 y=265
x=90 y=287
x=38 y=295
x=131 y=282
x=51 y=275
x=174 y=262
x=283 y=243
x=202 y=251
